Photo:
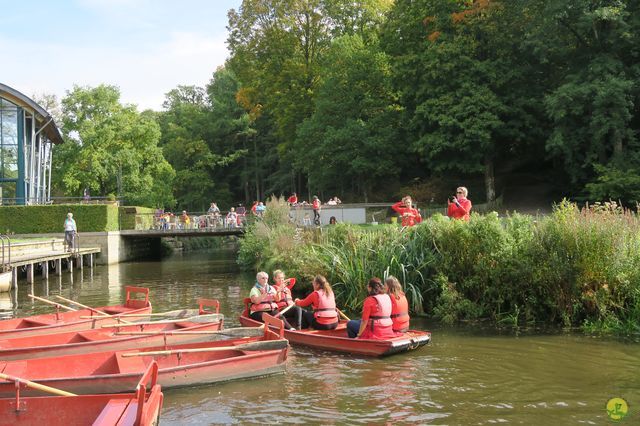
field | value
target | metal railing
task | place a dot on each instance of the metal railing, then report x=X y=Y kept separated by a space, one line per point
x=6 y=261
x=168 y=221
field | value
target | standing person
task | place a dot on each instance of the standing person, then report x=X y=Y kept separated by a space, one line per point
x=324 y=315
x=283 y=288
x=70 y=230
x=316 y=209
x=264 y=298
x=86 y=195
x=376 y=315
x=459 y=206
x=410 y=215
x=293 y=199
x=254 y=208
x=260 y=209
x=232 y=218
x=399 y=305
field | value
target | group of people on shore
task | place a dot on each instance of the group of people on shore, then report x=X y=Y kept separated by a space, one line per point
x=458 y=207
x=385 y=312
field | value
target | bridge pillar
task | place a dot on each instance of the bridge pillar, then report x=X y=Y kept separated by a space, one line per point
x=71 y=265
x=80 y=259
x=30 y=268
x=45 y=269
x=14 y=277
x=59 y=267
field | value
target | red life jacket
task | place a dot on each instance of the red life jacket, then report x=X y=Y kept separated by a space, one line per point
x=267 y=304
x=400 y=313
x=382 y=316
x=326 y=308
x=316 y=204
x=285 y=297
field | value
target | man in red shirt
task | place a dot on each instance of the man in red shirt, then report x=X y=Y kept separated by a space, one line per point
x=459 y=207
x=293 y=199
x=316 y=210
x=410 y=216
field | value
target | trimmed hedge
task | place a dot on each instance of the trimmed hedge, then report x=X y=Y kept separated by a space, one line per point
x=48 y=219
x=132 y=217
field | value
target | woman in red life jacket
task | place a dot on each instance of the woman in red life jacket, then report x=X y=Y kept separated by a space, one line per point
x=316 y=210
x=410 y=215
x=265 y=298
x=376 y=315
x=459 y=207
x=293 y=199
x=324 y=315
x=283 y=288
x=399 y=305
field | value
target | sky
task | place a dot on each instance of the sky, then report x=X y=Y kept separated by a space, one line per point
x=145 y=47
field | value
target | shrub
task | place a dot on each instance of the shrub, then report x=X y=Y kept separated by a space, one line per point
x=48 y=219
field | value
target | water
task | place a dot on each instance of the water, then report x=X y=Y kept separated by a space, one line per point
x=466 y=376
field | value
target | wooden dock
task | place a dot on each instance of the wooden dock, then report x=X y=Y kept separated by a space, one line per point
x=52 y=257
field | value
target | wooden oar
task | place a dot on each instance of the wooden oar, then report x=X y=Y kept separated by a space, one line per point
x=177 y=314
x=52 y=302
x=264 y=345
x=73 y=302
x=249 y=331
x=37 y=386
x=197 y=318
x=284 y=310
x=343 y=315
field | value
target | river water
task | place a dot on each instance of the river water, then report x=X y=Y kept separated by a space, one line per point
x=468 y=375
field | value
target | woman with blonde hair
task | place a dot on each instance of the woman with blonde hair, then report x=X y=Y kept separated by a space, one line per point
x=283 y=289
x=324 y=315
x=399 y=305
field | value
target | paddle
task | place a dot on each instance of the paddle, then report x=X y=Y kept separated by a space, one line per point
x=197 y=318
x=91 y=309
x=284 y=310
x=264 y=345
x=37 y=386
x=177 y=314
x=52 y=303
x=237 y=331
x=343 y=315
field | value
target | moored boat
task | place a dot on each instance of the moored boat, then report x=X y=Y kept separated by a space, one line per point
x=337 y=340
x=58 y=322
x=140 y=408
x=114 y=339
x=179 y=365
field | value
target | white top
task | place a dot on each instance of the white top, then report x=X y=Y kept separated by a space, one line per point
x=70 y=224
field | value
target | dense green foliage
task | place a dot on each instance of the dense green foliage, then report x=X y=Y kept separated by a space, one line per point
x=45 y=219
x=111 y=149
x=574 y=267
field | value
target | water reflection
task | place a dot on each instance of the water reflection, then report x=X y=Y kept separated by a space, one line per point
x=466 y=376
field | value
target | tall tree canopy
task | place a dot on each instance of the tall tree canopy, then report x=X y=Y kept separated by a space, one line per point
x=110 y=148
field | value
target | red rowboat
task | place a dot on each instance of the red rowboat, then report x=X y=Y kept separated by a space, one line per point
x=71 y=321
x=81 y=342
x=126 y=409
x=337 y=340
x=113 y=372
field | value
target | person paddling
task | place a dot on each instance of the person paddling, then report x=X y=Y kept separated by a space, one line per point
x=324 y=315
x=376 y=315
x=399 y=305
x=283 y=288
x=264 y=298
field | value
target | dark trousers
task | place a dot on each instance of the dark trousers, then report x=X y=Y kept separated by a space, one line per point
x=258 y=317
x=294 y=315
x=353 y=327
x=69 y=239
x=316 y=217
x=309 y=320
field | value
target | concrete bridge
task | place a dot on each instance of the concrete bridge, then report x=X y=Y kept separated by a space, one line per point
x=196 y=232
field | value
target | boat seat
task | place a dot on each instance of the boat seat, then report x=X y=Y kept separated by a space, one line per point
x=14 y=368
x=37 y=323
x=117 y=411
x=133 y=364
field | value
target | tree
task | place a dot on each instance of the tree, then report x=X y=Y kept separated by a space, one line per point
x=351 y=139
x=111 y=149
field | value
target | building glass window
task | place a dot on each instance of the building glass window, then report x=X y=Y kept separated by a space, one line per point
x=8 y=149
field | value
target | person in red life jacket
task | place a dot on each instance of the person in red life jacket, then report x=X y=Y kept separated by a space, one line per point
x=324 y=315
x=376 y=320
x=293 y=199
x=410 y=215
x=265 y=298
x=459 y=207
x=253 y=208
x=283 y=288
x=316 y=206
x=399 y=305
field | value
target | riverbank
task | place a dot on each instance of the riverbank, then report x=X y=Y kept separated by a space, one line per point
x=572 y=268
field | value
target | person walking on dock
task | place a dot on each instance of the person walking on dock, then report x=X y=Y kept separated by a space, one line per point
x=70 y=231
